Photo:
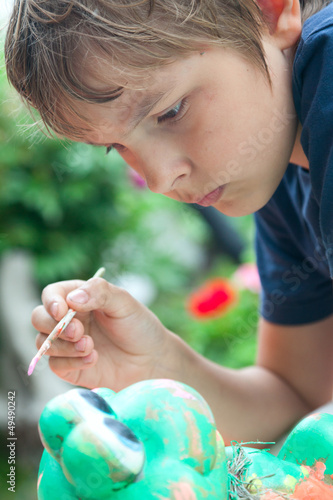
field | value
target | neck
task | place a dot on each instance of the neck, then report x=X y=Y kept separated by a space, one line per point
x=298 y=156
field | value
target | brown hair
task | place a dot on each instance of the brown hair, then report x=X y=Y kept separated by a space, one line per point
x=48 y=40
x=310 y=7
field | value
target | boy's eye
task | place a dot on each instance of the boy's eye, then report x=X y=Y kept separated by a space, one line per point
x=175 y=112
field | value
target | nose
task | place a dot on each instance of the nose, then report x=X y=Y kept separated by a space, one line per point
x=164 y=167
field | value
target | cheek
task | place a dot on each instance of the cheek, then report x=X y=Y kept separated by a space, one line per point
x=132 y=161
x=214 y=133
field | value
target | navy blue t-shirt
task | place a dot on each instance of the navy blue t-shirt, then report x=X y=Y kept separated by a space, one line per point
x=294 y=237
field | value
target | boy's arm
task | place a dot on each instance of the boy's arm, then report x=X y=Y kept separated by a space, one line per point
x=293 y=376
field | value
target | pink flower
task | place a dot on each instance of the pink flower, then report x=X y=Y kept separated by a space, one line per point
x=136 y=179
x=247 y=277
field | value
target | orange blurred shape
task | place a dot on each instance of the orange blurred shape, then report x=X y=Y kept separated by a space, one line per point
x=313 y=489
x=212 y=299
x=308 y=489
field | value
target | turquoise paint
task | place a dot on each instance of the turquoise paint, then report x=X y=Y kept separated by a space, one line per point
x=157 y=440
x=171 y=447
x=311 y=441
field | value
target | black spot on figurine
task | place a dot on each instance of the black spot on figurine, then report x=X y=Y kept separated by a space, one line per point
x=121 y=430
x=95 y=400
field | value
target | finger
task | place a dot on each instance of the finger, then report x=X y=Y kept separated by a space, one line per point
x=43 y=322
x=66 y=368
x=98 y=294
x=53 y=297
x=73 y=332
x=62 y=348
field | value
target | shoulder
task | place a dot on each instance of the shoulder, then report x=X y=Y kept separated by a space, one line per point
x=313 y=65
x=317 y=31
x=318 y=24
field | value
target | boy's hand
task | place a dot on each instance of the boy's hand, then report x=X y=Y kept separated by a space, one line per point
x=113 y=341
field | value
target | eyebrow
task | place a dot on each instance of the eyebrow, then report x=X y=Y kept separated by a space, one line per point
x=148 y=103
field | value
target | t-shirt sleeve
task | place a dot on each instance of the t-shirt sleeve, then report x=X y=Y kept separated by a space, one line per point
x=294 y=290
x=313 y=97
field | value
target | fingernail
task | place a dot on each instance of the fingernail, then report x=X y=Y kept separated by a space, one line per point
x=70 y=331
x=81 y=345
x=79 y=296
x=89 y=358
x=54 y=309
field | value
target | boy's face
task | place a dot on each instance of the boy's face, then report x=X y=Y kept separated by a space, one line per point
x=217 y=133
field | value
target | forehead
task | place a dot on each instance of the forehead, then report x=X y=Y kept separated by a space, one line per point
x=104 y=73
x=138 y=94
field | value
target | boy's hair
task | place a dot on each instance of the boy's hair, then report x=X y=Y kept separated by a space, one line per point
x=48 y=42
x=310 y=7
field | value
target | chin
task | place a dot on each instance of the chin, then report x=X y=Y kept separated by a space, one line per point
x=239 y=209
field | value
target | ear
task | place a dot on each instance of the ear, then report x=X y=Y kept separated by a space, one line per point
x=283 y=18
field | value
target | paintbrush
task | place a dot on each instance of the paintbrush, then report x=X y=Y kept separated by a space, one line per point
x=57 y=330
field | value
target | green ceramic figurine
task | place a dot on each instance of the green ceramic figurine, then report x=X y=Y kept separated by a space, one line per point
x=157 y=440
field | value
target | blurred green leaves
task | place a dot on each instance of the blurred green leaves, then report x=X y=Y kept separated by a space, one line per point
x=58 y=203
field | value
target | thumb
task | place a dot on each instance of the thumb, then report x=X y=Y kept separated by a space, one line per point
x=98 y=294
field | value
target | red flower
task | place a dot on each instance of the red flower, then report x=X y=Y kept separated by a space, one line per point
x=212 y=299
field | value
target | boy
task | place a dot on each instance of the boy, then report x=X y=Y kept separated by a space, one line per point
x=208 y=101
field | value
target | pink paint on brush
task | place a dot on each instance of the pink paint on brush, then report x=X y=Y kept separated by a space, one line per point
x=32 y=365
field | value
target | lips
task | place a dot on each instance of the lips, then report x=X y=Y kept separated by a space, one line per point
x=211 y=198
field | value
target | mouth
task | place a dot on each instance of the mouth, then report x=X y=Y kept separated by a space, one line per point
x=212 y=197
